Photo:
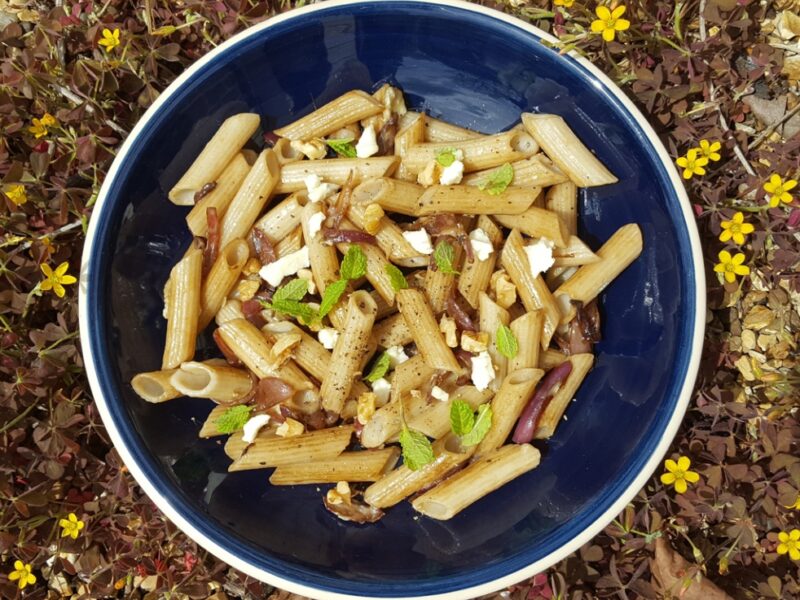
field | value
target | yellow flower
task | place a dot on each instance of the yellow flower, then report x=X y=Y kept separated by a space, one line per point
x=564 y=3
x=779 y=190
x=710 y=150
x=22 y=575
x=39 y=127
x=679 y=473
x=789 y=542
x=608 y=22
x=731 y=266
x=56 y=280
x=16 y=193
x=71 y=526
x=692 y=164
x=110 y=39
x=736 y=228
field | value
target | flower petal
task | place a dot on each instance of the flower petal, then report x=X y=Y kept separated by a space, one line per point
x=738 y=238
x=782 y=536
x=680 y=486
x=670 y=465
x=775 y=180
x=794 y=534
x=794 y=553
x=62 y=268
x=608 y=34
x=730 y=277
x=598 y=26
x=603 y=13
x=684 y=463
x=46 y=269
x=692 y=477
x=667 y=478
x=725 y=235
x=789 y=185
x=622 y=24
x=58 y=289
x=738 y=258
x=747 y=228
x=618 y=12
x=724 y=256
x=68 y=279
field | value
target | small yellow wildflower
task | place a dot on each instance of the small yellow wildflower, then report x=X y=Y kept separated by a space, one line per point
x=564 y=3
x=779 y=190
x=16 y=193
x=789 y=542
x=119 y=583
x=608 y=22
x=692 y=164
x=110 y=39
x=731 y=266
x=710 y=150
x=22 y=575
x=679 y=473
x=71 y=526
x=56 y=280
x=736 y=228
x=39 y=127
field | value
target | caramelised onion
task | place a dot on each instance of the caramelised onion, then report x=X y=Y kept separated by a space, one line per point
x=271 y=138
x=526 y=426
x=464 y=357
x=204 y=191
x=355 y=511
x=270 y=391
x=386 y=136
x=263 y=247
x=251 y=309
x=212 y=239
x=342 y=205
x=349 y=236
x=454 y=308
x=584 y=330
x=232 y=359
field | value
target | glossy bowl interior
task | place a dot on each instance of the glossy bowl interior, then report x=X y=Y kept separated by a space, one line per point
x=475 y=68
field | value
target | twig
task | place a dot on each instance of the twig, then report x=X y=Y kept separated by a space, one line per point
x=736 y=149
x=702 y=21
x=9 y=424
x=768 y=131
x=55 y=233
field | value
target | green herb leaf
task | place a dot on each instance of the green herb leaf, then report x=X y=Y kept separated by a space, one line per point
x=379 y=368
x=293 y=308
x=234 y=418
x=331 y=296
x=396 y=277
x=343 y=147
x=483 y=423
x=417 y=449
x=294 y=290
x=462 y=419
x=507 y=344
x=445 y=256
x=354 y=264
x=498 y=180
x=446 y=156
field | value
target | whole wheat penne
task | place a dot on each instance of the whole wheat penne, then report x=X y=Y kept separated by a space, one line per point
x=389 y=237
x=574 y=254
x=538 y=222
x=182 y=309
x=470 y=200
x=155 y=386
x=527 y=329
x=349 y=351
x=476 y=274
x=536 y=171
x=384 y=424
x=548 y=421
x=434 y=419
x=335 y=170
x=212 y=379
x=291 y=243
x=412 y=133
x=566 y=150
x=323 y=258
x=282 y=218
x=365 y=465
x=410 y=375
x=230 y=310
x=347 y=108
x=492 y=316
x=384 y=308
x=562 y=199
x=210 y=427
x=551 y=358
x=309 y=354
x=480 y=478
x=225 y=188
x=392 y=331
x=285 y=152
x=275 y=451
x=438 y=284
x=251 y=198
x=392 y=101
x=437 y=130
x=215 y=156
x=425 y=330
x=390 y=194
x=221 y=279
x=480 y=153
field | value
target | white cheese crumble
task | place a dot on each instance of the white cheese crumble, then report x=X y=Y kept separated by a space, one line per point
x=274 y=272
x=253 y=426
x=315 y=222
x=482 y=371
x=481 y=244
x=419 y=240
x=540 y=256
x=397 y=355
x=367 y=144
x=317 y=190
x=327 y=337
x=440 y=394
x=381 y=388
x=452 y=174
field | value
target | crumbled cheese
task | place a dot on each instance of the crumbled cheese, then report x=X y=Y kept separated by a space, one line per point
x=482 y=371
x=309 y=277
x=372 y=218
x=397 y=355
x=381 y=388
x=481 y=244
x=367 y=144
x=315 y=222
x=317 y=190
x=505 y=292
x=314 y=149
x=274 y=272
x=448 y=328
x=419 y=241
x=430 y=173
x=252 y=427
x=439 y=394
x=453 y=173
x=290 y=428
x=540 y=256
x=327 y=337
x=475 y=341
x=365 y=407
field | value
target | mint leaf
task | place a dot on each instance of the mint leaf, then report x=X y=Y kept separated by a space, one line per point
x=343 y=147
x=379 y=368
x=445 y=256
x=483 y=423
x=294 y=290
x=446 y=156
x=396 y=278
x=417 y=449
x=507 y=344
x=331 y=296
x=462 y=420
x=293 y=308
x=233 y=419
x=354 y=264
x=498 y=180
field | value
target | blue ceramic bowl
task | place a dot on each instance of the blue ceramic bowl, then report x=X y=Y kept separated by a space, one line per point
x=476 y=68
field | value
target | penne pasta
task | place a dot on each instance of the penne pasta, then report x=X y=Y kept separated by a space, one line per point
x=347 y=108
x=392 y=331
x=275 y=451
x=389 y=237
x=411 y=133
x=291 y=243
x=574 y=254
x=210 y=428
x=286 y=152
x=554 y=411
x=155 y=386
x=230 y=310
x=212 y=379
x=377 y=273
x=538 y=222
x=221 y=279
x=492 y=316
x=562 y=199
x=425 y=331
x=437 y=130
x=527 y=329
x=484 y=152
x=391 y=195
x=224 y=189
x=323 y=258
x=182 y=301
x=335 y=170
x=434 y=418
x=283 y=218
x=439 y=286
x=366 y=465
x=410 y=375
x=472 y=201
x=477 y=274
x=536 y=171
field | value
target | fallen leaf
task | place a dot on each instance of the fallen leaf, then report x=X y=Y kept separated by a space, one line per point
x=677 y=578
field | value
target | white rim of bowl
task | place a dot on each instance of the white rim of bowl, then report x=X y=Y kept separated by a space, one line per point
x=465 y=593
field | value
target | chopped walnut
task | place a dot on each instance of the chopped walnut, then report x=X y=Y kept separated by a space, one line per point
x=314 y=149
x=340 y=494
x=251 y=267
x=373 y=214
x=290 y=428
x=474 y=341
x=246 y=289
x=366 y=407
x=505 y=293
x=282 y=349
x=430 y=174
x=448 y=328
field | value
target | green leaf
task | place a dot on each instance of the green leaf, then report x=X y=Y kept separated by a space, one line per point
x=343 y=147
x=379 y=368
x=234 y=418
x=446 y=156
x=462 y=419
x=498 y=180
x=354 y=264
x=482 y=425
x=294 y=290
x=331 y=296
x=293 y=308
x=507 y=344
x=445 y=256
x=396 y=277
x=417 y=449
